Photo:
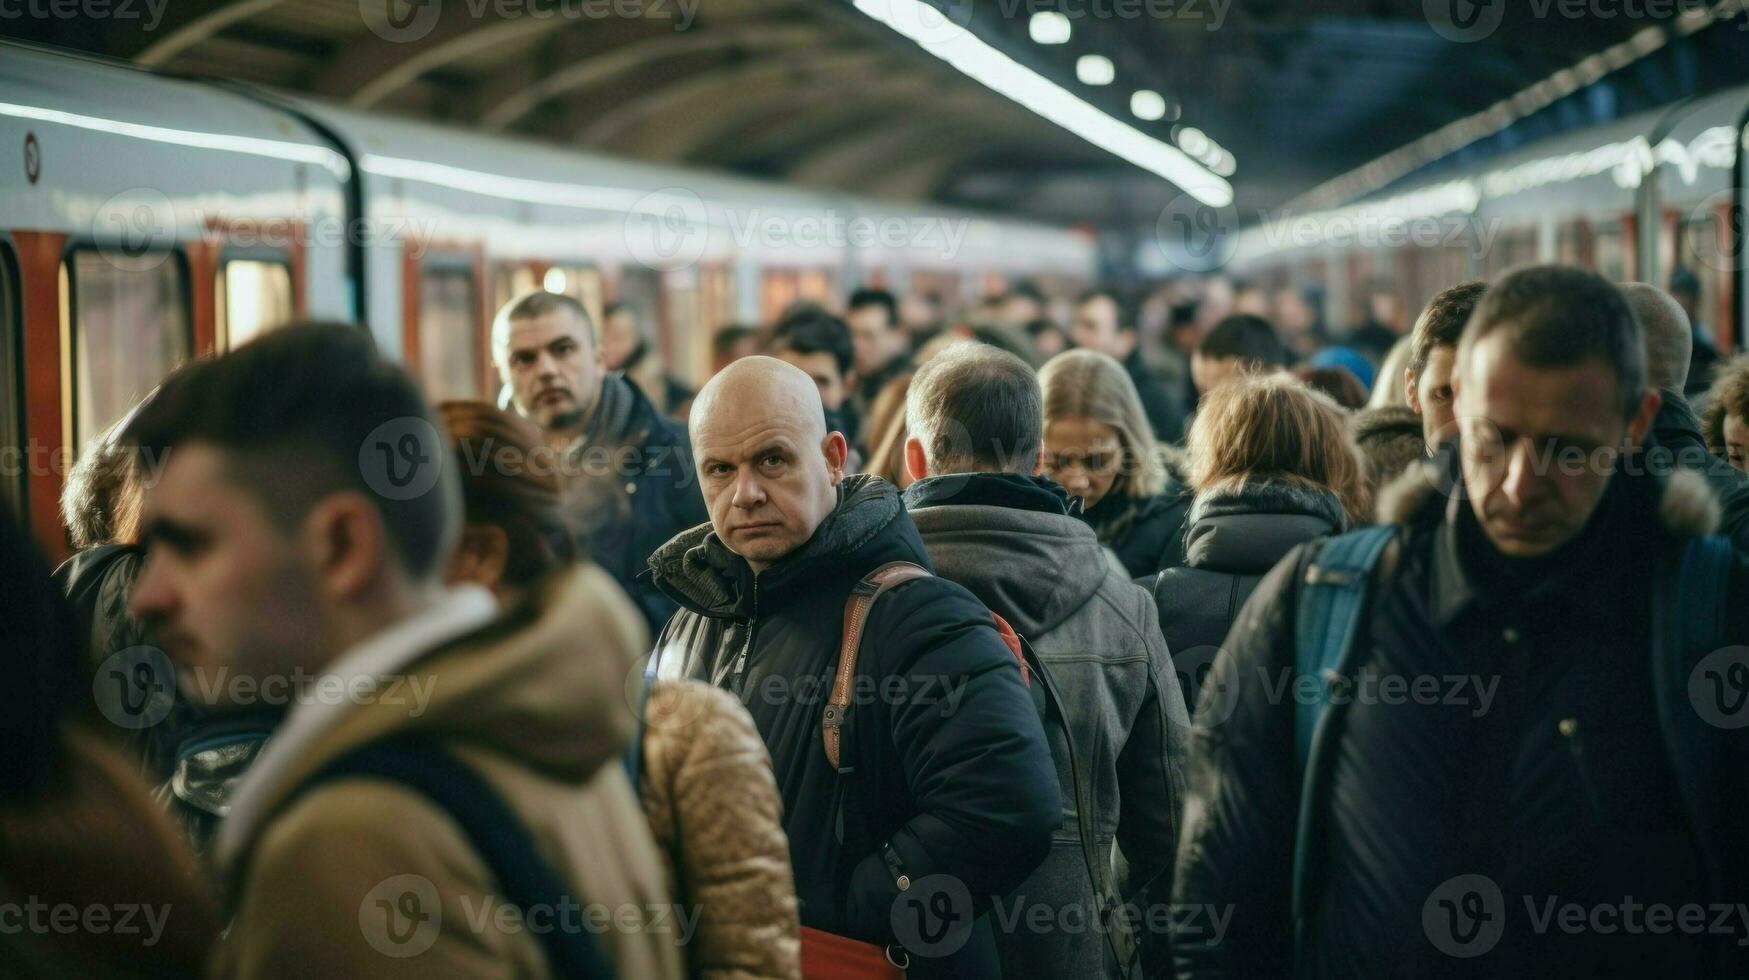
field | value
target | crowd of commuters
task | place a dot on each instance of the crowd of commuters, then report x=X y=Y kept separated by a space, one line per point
x=1078 y=637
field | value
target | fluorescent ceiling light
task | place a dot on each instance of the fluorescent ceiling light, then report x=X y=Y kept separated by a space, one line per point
x=1148 y=104
x=1095 y=69
x=941 y=37
x=1049 y=27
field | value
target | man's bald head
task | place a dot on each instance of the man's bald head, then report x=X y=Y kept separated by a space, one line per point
x=768 y=468
x=1669 y=338
x=762 y=386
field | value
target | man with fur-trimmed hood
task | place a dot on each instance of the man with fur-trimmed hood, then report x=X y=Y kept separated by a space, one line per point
x=1529 y=775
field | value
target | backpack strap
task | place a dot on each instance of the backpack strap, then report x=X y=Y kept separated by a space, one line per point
x=1327 y=619
x=494 y=831
x=856 y=610
x=1690 y=614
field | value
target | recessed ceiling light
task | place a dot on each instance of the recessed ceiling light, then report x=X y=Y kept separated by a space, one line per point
x=1147 y=104
x=1049 y=27
x=1095 y=69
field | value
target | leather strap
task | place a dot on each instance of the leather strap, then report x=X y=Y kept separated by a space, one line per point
x=856 y=610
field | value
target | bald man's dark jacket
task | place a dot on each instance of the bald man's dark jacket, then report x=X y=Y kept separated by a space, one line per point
x=946 y=775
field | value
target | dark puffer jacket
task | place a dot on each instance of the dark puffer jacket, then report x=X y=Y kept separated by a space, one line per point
x=1234 y=538
x=1009 y=538
x=946 y=771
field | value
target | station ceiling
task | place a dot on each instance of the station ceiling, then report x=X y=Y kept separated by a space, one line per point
x=812 y=91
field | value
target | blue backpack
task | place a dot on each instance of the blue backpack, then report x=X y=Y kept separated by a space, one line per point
x=1328 y=619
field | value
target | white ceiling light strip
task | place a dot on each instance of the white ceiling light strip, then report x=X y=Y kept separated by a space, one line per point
x=1455 y=136
x=934 y=32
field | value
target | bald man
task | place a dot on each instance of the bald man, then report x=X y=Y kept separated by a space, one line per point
x=1675 y=439
x=945 y=794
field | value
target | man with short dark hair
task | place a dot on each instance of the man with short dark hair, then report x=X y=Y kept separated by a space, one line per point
x=1559 y=612
x=1105 y=324
x=298 y=538
x=883 y=346
x=625 y=347
x=941 y=794
x=1240 y=343
x=628 y=469
x=994 y=525
x=819 y=343
x=1432 y=352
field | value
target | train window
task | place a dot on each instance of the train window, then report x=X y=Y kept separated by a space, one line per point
x=449 y=339
x=11 y=381
x=252 y=297
x=130 y=327
x=1609 y=257
x=512 y=281
x=582 y=283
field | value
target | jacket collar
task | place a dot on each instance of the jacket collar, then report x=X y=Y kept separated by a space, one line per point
x=868 y=525
x=1432 y=495
x=1015 y=491
x=464 y=609
x=1251 y=525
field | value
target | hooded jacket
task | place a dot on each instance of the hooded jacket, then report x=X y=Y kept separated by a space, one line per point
x=945 y=768
x=1391 y=439
x=1010 y=540
x=1531 y=773
x=1234 y=538
x=534 y=702
x=1676 y=441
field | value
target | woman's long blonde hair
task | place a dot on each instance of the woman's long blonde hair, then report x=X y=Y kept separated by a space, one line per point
x=1085 y=384
x=1272 y=427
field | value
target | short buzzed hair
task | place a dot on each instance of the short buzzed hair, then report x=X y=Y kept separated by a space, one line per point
x=1669 y=338
x=1557 y=317
x=976 y=408
x=532 y=306
x=1442 y=323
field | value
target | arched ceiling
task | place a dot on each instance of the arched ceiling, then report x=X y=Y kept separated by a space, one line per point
x=812 y=91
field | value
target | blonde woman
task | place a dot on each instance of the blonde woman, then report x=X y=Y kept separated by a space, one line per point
x=1099 y=446
x=1272 y=466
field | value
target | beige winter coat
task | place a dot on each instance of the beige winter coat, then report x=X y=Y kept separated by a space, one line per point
x=353 y=876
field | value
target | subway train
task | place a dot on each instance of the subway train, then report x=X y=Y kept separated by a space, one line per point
x=1635 y=199
x=146 y=218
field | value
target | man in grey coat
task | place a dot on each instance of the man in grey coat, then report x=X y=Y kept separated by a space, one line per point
x=1115 y=717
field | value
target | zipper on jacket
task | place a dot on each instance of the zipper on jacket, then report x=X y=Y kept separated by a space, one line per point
x=752 y=624
x=1575 y=739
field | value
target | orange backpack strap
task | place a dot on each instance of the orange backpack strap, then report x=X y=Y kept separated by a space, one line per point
x=1011 y=639
x=856 y=609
